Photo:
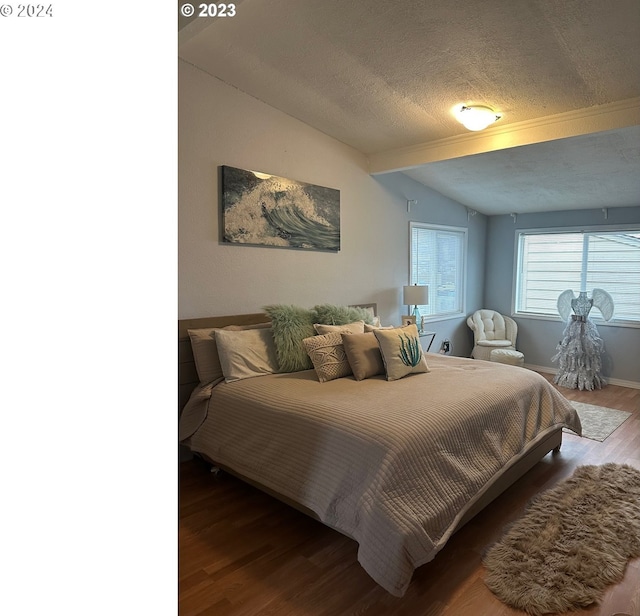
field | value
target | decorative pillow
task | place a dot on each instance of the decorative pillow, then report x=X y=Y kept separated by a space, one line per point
x=328 y=356
x=247 y=353
x=291 y=325
x=372 y=328
x=205 y=349
x=364 y=355
x=350 y=328
x=341 y=315
x=401 y=351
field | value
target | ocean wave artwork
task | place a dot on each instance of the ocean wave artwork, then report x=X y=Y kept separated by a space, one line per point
x=267 y=210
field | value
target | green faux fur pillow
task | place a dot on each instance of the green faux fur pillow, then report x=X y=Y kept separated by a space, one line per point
x=291 y=325
x=328 y=314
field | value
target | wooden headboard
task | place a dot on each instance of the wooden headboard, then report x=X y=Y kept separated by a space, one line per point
x=187 y=375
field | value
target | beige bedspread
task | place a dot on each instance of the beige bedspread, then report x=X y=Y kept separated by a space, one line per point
x=392 y=464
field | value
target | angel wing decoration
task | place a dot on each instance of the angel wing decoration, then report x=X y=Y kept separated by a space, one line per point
x=579 y=352
x=564 y=304
x=603 y=302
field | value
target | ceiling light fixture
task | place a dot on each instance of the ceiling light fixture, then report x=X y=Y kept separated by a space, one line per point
x=476 y=117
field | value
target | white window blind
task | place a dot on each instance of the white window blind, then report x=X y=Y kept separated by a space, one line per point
x=549 y=263
x=437 y=258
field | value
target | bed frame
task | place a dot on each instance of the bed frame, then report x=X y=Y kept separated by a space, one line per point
x=188 y=379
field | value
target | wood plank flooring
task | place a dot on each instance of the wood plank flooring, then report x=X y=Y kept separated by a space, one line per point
x=243 y=553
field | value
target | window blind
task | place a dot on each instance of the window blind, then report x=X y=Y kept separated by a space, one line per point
x=437 y=259
x=549 y=263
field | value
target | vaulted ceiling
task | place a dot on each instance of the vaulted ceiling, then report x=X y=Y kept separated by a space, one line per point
x=383 y=76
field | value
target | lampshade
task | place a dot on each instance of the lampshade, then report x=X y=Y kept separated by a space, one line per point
x=476 y=117
x=415 y=295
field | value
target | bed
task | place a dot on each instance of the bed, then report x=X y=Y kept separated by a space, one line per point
x=397 y=465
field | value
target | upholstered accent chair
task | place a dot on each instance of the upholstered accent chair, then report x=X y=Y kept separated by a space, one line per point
x=491 y=330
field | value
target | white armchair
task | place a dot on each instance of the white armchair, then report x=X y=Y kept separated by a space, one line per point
x=491 y=330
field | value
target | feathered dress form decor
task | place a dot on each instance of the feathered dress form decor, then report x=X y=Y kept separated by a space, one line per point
x=579 y=353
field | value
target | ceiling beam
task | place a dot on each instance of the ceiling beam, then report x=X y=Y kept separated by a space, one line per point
x=549 y=128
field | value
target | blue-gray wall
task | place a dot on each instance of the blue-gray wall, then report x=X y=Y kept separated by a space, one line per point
x=537 y=339
x=433 y=207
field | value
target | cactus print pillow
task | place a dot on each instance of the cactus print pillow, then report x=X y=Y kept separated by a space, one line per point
x=401 y=351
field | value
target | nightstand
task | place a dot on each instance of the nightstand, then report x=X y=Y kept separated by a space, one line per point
x=433 y=337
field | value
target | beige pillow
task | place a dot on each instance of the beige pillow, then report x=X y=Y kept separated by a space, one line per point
x=205 y=350
x=372 y=328
x=357 y=327
x=401 y=351
x=327 y=355
x=246 y=353
x=363 y=353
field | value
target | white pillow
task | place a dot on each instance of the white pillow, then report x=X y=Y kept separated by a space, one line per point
x=372 y=328
x=357 y=327
x=247 y=353
x=205 y=350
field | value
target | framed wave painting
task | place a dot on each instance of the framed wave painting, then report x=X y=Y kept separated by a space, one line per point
x=266 y=210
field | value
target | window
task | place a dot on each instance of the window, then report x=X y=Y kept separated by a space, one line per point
x=549 y=263
x=437 y=258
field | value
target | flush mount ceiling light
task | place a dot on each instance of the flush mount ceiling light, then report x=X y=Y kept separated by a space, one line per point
x=476 y=117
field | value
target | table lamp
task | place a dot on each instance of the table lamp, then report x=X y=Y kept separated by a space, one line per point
x=416 y=295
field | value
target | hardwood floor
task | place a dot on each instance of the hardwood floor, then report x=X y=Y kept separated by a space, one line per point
x=243 y=553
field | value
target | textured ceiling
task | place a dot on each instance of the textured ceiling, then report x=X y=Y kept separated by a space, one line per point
x=383 y=76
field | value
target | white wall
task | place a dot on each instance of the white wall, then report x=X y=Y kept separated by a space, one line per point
x=219 y=125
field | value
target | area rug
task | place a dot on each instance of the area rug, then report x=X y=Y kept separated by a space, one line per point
x=598 y=422
x=573 y=541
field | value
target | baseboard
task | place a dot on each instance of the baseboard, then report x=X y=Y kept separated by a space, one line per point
x=610 y=381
